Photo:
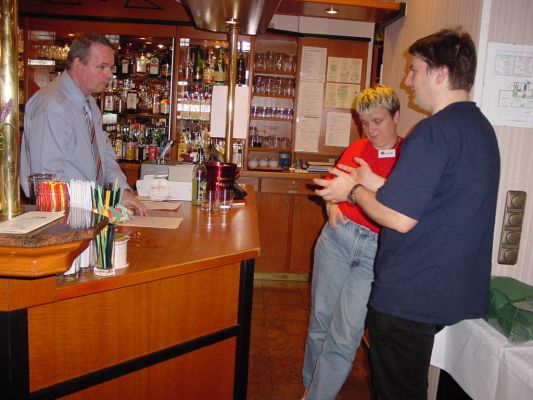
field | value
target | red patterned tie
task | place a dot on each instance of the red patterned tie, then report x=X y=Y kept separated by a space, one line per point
x=92 y=134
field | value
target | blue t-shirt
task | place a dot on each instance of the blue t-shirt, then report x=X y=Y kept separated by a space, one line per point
x=447 y=179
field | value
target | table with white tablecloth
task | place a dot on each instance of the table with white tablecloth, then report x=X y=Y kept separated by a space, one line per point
x=484 y=362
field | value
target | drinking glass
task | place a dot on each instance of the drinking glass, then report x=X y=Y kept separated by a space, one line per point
x=33 y=183
x=226 y=199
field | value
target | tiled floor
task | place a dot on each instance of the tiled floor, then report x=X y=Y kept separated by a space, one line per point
x=279 y=327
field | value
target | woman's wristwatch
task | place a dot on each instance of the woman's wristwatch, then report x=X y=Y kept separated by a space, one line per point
x=351 y=195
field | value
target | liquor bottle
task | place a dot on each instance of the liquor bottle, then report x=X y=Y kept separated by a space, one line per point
x=220 y=72
x=209 y=68
x=117 y=144
x=125 y=64
x=125 y=134
x=131 y=99
x=166 y=65
x=140 y=148
x=241 y=69
x=140 y=64
x=153 y=65
x=109 y=98
x=198 y=66
x=199 y=179
x=156 y=104
x=164 y=105
x=121 y=101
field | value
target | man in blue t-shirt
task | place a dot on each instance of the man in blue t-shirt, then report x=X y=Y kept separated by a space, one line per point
x=437 y=208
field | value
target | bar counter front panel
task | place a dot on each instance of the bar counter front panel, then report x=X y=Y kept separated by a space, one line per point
x=174 y=324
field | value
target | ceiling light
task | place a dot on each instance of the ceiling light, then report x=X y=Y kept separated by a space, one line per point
x=331 y=10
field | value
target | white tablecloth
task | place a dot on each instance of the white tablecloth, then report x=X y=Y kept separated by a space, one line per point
x=483 y=361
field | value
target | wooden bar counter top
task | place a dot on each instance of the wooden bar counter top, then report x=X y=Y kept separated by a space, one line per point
x=173 y=324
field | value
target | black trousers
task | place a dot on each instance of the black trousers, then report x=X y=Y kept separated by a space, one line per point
x=400 y=352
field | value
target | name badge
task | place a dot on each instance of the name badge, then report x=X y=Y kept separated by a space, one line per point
x=389 y=153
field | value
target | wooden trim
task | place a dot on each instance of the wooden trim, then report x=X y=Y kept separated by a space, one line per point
x=118 y=370
x=245 y=322
x=32 y=262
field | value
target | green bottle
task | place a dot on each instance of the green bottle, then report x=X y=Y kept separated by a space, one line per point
x=198 y=66
x=199 y=179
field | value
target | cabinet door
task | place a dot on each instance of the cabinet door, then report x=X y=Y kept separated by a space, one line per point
x=307 y=222
x=273 y=211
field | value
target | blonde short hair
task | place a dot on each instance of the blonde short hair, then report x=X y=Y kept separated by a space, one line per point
x=378 y=96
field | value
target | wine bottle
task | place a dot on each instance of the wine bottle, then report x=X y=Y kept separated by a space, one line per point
x=220 y=73
x=209 y=68
x=198 y=66
x=199 y=179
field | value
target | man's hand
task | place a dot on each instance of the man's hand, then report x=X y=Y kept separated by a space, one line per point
x=364 y=175
x=336 y=189
x=129 y=200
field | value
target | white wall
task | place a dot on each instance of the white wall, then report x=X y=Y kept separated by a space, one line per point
x=510 y=21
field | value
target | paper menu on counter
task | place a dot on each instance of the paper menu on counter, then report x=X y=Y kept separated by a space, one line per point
x=29 y=221
x=154 y=222
x=160 y=205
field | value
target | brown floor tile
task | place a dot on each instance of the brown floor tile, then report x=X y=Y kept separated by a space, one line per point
x=283 y=297
x=260 y=391
x=258 y=311
x=286 y=369
x=286 y=312
x=288 y=391
x=257 y=297
x=260 y=370
x=351 y=392
x=259 y=346
x=294 y=328
x=280 y=317
x=281 y=345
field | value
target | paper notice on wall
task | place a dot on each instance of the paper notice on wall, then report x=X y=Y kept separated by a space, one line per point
x=307 y=134
x=338 y=129
x=507 y=97
x=310 y=99
x=219 y=106
x=341 y=95
x=346 y=70
x=313 y=67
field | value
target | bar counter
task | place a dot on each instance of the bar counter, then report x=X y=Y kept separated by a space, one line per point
x=174 y=324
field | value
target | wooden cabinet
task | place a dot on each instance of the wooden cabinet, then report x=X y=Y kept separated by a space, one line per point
x=290 y=220
x=274 y=212
x=307 y=222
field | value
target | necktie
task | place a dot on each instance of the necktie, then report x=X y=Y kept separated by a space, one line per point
x=92 y=135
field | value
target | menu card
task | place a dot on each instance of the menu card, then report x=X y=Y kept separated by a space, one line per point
x=28 y=222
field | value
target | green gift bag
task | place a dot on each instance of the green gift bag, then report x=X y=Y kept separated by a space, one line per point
x=511 y=308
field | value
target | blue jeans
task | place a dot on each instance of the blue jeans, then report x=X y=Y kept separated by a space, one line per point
x=342 y=278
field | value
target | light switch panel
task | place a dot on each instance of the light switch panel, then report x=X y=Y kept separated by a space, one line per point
x=513 y=216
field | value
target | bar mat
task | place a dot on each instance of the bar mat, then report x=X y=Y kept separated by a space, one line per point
x=154 y=222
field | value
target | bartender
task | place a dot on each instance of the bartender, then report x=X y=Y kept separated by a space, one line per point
x=63 y=125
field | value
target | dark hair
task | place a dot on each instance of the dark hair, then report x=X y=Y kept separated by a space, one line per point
x=450 y=48
x=81 y=46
